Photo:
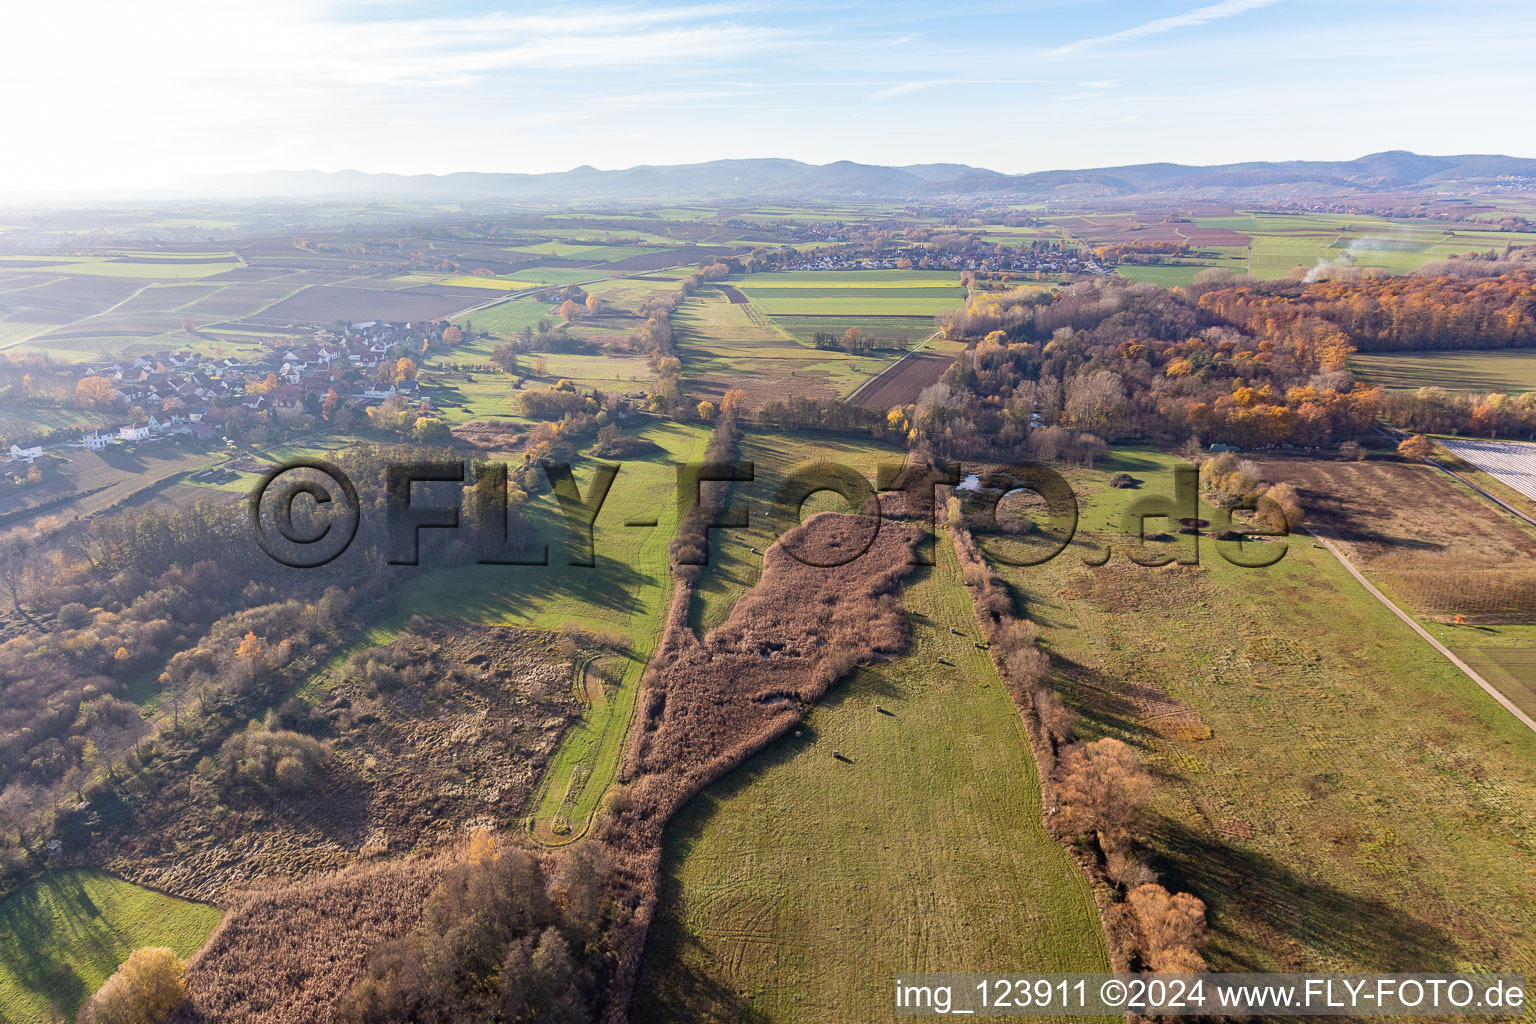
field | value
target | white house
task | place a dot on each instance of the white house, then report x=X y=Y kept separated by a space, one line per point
x=26 y=452
x=95 y=441
x=133 y=432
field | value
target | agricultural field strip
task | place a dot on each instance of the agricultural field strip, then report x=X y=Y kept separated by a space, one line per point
x=49 y=329
x=1512 y=462
x=891 y=371
x=1471 y=674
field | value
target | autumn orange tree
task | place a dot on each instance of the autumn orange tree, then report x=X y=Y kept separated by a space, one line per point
x=146 y=989
x=1416 y=447
x=1102 y=790
x=733 y=402
x=94 y=393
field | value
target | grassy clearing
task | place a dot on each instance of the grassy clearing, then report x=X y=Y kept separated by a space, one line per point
x=1164 y=276
x=1510 y=370
x=1359 y=803
x=855 y=293
x=64 y=935
x=798 y=886
x=478 y=396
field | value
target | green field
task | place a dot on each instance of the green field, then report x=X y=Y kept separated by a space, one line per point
x=1358 y=803
x=1470 y=370
x=855 y=293
x=63 y=935
x=507 y=318
x=805 y=328
x=1163 y=275
x=799 y=886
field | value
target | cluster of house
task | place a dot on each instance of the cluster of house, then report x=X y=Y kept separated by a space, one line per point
x=198 y=395
x=1011 y=260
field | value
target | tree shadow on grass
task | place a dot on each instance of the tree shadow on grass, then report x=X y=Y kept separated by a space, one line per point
x=680 y=983
x=1244 y=888
x=490 y=592
x=32 y=959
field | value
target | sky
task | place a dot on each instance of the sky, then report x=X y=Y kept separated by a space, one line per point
x=102 y=95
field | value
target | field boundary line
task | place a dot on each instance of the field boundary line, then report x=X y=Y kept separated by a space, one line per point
x=1471 y=673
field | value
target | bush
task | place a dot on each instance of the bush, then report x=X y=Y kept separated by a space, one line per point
x=146 y=989
x=73 y=615
x=277 y=760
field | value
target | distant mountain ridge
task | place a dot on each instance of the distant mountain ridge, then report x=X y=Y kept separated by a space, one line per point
x=766 y=178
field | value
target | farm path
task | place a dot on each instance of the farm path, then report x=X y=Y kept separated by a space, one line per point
x=1471 y=674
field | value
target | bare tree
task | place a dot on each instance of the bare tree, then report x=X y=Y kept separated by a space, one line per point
x=15 y=557
x=1103 y=788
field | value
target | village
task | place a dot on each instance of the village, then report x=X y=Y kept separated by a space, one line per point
x=210 y=398
x=977 y=258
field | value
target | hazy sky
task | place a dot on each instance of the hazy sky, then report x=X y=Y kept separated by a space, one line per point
x=105 y=94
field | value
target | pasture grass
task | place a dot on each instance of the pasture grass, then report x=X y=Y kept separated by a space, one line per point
x=507 y=318
x=1358 y=804
x=796 y=888
x=64 y=934
x=804 y=328
x=1163 y=275
x=854 y=293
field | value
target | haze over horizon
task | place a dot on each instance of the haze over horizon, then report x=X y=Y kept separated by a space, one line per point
x=170 y=89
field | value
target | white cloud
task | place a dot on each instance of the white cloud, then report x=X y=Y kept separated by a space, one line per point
x=907 y=88
x=1189 y=19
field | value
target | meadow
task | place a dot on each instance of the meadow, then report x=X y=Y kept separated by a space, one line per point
x=1355 y=801
x=798 y=886
x=805 y=328
x=64 y=934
